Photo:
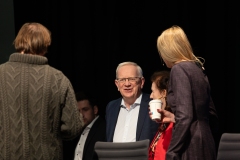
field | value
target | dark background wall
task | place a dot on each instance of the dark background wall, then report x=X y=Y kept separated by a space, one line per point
x=7 y=29
x=90 y=38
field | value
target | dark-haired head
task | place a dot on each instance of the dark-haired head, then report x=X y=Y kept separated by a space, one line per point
x=87 y=105
x=83 y=95
x=159 y=81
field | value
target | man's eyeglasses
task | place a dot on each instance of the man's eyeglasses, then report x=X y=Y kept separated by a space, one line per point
x=130 y=79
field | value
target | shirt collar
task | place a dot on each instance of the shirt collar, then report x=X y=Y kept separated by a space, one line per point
x=90 y=125
x=137 y=102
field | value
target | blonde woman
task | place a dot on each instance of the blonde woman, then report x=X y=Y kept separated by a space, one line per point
x=189 y=98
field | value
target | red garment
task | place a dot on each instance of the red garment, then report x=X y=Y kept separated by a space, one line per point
x=162 y=144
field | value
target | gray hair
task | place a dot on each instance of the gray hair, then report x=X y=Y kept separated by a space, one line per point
x=139 y=69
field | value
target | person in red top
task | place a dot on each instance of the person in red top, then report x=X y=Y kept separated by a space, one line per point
x=160 y=143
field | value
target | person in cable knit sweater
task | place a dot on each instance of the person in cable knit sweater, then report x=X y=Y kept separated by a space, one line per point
x=38 y=108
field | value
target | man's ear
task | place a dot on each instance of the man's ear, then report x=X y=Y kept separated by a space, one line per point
x=116 y=83
x=95 y=110
x=142 y=82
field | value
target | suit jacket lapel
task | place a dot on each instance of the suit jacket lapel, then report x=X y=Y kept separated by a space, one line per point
x=91 y=133
x=143 y=111
x=114 y=118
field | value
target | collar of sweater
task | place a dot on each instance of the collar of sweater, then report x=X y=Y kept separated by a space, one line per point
x=28 y=58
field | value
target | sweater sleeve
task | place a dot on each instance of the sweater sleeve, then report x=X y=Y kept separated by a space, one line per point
x=71 y=119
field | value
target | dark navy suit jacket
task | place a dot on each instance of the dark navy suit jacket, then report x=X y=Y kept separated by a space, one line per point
x=146 y=128
x=96 y=133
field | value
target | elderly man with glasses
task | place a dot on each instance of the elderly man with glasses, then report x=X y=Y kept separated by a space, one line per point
x=128 y=117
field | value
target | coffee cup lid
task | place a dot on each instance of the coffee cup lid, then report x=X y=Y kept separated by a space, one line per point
x=155 y=100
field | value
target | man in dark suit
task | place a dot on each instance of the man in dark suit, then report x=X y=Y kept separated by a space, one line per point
x=127 y=118
x=82 y=147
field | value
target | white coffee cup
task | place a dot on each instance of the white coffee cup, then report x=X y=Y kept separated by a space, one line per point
x=154 y=105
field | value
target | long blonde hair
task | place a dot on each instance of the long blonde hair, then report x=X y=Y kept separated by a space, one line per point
x=173 y=45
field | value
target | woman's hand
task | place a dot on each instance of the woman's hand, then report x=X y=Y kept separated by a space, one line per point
x=166 y=116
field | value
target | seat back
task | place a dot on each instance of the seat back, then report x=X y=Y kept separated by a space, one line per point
x=122 y=150
x=229 y=147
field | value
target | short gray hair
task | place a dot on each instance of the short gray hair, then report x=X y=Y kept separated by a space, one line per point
x=139 y=69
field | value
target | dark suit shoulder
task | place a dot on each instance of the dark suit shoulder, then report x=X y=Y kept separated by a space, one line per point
x=114 y=103
x=101 y=122
x=146 y=96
